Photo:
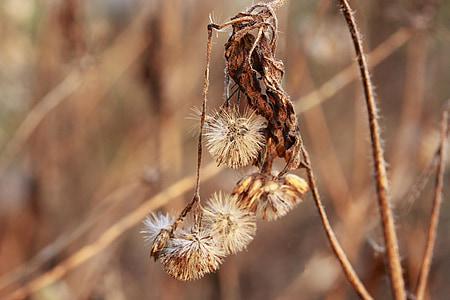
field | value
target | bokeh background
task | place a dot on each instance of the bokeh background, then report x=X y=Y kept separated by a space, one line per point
x=95 y=99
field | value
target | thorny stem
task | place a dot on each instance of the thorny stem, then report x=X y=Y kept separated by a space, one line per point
x=434 y=220
x=350 y=273
x=390 y=236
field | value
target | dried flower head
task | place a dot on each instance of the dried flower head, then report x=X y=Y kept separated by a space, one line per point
x=190 y=256
x=156 y=232
x=269 y=196
x=234 y=139
x=153 y=225
x=232 y=226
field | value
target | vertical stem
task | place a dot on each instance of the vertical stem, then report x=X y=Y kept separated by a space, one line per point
x=390 y=236
x=434 y=220
x=196 y=198
x=202 y=119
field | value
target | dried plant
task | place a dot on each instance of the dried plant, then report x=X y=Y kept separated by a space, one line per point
x=266 y=129
x=228 y=223
x=191 y=254
x=254 y=126
x=236 y=140
x=270 y=197
x=434 y=219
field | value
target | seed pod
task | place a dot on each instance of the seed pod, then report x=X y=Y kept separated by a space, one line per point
x=159 y=243
x=156 y=232
x=270 y=197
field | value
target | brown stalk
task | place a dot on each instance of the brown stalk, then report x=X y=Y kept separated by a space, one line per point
x=337 y=249
x=434 y=220
x=390 y=236
x=196 y=199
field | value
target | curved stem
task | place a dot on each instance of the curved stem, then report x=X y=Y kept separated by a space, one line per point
x=350 y=273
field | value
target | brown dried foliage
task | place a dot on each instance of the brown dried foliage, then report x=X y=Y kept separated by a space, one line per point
x=251 y=63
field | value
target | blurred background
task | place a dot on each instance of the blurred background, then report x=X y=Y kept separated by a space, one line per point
x=95 y=98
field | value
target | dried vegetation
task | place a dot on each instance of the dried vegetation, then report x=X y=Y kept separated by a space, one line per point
x=72 y=164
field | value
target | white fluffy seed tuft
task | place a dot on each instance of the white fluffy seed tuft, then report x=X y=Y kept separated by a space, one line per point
x=231 y=226
x=153 y=225
x=234 y=139
x=190 y=256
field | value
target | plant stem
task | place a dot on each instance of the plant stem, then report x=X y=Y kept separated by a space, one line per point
x=196 y=199
x=337 y=249
x=390 y=236
x=434 y=220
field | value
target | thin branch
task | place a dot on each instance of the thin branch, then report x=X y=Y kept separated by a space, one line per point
x=434 y=220
x=390 y=236
x=337 y=249
x=196 y=198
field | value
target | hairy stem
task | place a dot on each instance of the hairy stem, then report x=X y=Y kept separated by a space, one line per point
x=434 y=220
x=390 y=236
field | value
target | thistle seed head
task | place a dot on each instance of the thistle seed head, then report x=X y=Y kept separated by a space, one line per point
x=234 y=139
x=153 y=225
x=231 y=226
x=270 y=197
x=189 y=256
x=156 y=232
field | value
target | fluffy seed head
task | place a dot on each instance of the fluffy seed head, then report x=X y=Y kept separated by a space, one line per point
x=270 y=197
x=190 y=256
x=231 y=226
x=153 y=225
x=156 y=232
x=234 y=139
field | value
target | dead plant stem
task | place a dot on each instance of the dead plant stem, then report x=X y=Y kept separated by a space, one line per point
x=337 y=249
x=390 y=236
x=434 y=220
x=196 y=198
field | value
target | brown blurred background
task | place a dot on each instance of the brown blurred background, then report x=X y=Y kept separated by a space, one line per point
x=94 y=104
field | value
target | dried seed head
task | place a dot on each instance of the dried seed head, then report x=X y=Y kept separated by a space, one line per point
x=234 y=139
x=157 y=232
x=190 y=256
x=269 y=196
x=153 y=225
x=231 y=226
x=159 y=243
